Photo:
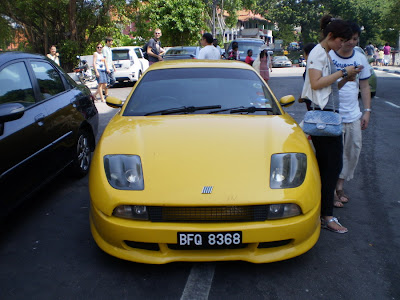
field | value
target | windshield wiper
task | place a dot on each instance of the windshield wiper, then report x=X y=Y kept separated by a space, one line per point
x=250 y=109
x=183 y=109
x=225 y=109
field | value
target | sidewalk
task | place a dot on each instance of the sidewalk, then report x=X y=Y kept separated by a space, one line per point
x=389 y=69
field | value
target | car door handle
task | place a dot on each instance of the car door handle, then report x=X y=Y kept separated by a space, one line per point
x=40 y=119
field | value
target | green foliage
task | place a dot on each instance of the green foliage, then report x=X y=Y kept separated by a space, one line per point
x=179 y=20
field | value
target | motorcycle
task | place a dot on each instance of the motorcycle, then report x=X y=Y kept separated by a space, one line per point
x=84 y=72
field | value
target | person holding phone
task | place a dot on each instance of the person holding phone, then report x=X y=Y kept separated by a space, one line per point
x=354 y=121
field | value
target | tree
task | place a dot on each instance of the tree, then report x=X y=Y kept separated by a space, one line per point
x=180 y=21
x=73 y=26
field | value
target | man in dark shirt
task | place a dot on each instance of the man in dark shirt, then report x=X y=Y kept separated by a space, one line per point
x=154 y=50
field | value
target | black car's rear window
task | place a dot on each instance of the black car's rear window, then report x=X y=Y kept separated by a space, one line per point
x=181 y=51
x=174 y=88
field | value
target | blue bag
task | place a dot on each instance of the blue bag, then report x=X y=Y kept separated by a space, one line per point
x=322 y=123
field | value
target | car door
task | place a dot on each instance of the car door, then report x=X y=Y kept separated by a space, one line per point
x=62 y=118
x=23 y=142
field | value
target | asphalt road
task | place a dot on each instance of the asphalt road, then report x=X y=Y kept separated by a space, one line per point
x=47 y=252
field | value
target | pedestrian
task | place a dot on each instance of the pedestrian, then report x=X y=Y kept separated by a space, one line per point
x=386 y=53
x=154 y=50
x=263 y=64
x=107 y=53
x=208 y=51
x=381 y=56
x=370 y=49
x=215 y=43
x=54 y=55
x=321 y=87
x=100 y=68
x=353 y=120
x=249 y=60
x=234 y=54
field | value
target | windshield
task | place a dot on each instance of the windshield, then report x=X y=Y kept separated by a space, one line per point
x=120 y=54
x=181 y=51
x=244 y=46
x=175 y=88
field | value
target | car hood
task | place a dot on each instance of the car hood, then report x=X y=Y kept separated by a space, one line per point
x=181 y=154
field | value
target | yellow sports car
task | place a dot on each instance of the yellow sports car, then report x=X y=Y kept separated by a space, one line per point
x=201 y=163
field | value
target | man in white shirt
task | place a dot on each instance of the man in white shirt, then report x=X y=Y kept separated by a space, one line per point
x=353 y=120
x=107 y=53
x=208 y=51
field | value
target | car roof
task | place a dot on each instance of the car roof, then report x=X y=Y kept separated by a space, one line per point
x=248 y=39
x=11 y=55
x=183 y=47
x=125 y=47
x=199 y=63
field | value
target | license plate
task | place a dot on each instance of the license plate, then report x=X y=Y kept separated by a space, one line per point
x=117 y=65
x=207 y=240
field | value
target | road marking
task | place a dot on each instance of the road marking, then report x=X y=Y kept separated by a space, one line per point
x=199 y=282
x=392 y=104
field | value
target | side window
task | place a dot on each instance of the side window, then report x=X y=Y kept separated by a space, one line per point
x=50 y=82
x=138 y=53
x=15 y=85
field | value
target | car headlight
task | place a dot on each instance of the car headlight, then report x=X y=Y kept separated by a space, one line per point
x=288 y=170
x=134 y=212
x=281 y=211
x=124 y=172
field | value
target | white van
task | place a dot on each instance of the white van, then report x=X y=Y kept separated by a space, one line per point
x=129 y=63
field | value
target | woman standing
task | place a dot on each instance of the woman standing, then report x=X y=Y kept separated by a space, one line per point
x=100 y=68
x=386 y=53
x=263 y=64
x=322 y=88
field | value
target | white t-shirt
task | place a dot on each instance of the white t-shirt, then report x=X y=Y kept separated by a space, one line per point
x=209 y=52
x=348 y=94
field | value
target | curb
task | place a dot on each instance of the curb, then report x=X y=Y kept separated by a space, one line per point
x=388 y=70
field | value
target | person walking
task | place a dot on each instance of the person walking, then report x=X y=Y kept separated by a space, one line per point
x=209 y=51
x=107 y=53
x=353 y=120
x=321 y=88
x=154 y=50
x=53 y=55
x=386 y=54
x=100 y=68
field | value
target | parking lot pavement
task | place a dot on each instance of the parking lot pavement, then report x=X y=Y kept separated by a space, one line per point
x=389 y=69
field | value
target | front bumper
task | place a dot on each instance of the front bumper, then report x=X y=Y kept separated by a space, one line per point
x=147 y=242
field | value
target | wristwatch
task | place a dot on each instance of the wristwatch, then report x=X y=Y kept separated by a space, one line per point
x=344 y=71
x=367 y=109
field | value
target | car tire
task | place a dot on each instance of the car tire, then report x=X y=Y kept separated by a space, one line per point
x=82 y=156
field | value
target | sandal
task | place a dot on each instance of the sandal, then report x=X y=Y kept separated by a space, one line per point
x=341 y=195
x=338 y=204
x=325 y=225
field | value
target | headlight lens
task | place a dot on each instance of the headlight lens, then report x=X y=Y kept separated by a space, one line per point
x=124 y=172
x=288 y=170
x=281 y=211
x=135 y=212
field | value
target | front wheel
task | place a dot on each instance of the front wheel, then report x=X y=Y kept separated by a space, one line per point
x=83 y=155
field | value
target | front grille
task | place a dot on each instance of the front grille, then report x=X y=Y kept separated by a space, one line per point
x=213 y=214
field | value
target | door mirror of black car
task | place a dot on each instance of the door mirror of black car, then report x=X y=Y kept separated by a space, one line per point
x=11 y=111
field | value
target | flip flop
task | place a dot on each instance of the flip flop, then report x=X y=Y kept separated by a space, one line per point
x=324 y=225
x=341 y=195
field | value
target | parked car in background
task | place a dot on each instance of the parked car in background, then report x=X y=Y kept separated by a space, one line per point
x=47 y=123
x=244 y=45
x=182 y=52
x=180 y=176
x=281 y=61
x=372 y=80
x=129 y=63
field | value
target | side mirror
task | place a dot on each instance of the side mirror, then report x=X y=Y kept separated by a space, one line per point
x=114 y=102
x=286 y=101
x=11 y=111
x=78 y=57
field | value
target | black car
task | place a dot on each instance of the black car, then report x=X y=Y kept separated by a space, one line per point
x=182 y=52
x=47 y=123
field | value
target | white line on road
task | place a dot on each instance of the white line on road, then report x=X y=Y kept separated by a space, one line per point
x=198 y=284
x=392 y=104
